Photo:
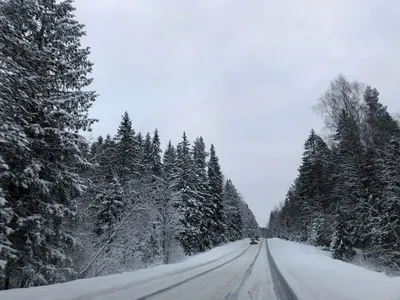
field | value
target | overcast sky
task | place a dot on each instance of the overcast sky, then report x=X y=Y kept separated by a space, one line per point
x=243 y=74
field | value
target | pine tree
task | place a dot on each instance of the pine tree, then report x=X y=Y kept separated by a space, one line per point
x=43 y=107
x=215 y=185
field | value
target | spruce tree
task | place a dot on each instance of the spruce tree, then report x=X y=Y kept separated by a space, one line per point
x=170 y=165
x=147 y=153
x=155 y=155
x=169 y=218
x=381 y=126
x=348 y=191
x=140 y=156
x=341 y=246
x=95 y=148
x=189 y=207
x=44 y=105
x=215 y=186
x=381 y=209
x=109 y=206
x=102 y=152
x=313 y=184
x=154 y=196
x=232 y=207
x=7 y=252
x=249 y=222
x=126 y=154
x=199 y=156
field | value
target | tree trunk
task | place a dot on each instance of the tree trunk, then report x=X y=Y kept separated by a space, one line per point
x=7 y=283
x=164 y=245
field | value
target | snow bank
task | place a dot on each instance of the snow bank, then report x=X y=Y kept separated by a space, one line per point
x=80 y=289
x=313 y=274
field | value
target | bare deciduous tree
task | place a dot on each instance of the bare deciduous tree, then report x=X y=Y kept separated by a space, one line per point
x=340 y=95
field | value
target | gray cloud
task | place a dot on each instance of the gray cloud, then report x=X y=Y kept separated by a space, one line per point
x=244 y=74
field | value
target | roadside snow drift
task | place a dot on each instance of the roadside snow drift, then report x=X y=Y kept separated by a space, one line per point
x=92 y=287
x=313 y=274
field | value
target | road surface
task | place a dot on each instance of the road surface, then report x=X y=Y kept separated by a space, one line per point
x=241 y=275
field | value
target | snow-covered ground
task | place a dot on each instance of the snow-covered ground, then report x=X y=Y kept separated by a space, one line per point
x=234 y=270
x=313 y=274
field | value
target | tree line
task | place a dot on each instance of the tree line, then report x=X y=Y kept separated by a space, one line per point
x=178 y=202
x=347 y=192
x=72 y=209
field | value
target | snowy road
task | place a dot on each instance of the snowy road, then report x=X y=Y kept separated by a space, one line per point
x=241 y=275
x=233 y=271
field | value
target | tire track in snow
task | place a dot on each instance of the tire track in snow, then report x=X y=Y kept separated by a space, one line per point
x=235 y=294
x=141 y=282
x=156 y=293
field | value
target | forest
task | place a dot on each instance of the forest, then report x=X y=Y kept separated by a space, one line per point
x=72 y=209
x=347 y=192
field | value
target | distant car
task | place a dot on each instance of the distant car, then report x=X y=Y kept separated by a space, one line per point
x=253 y=241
